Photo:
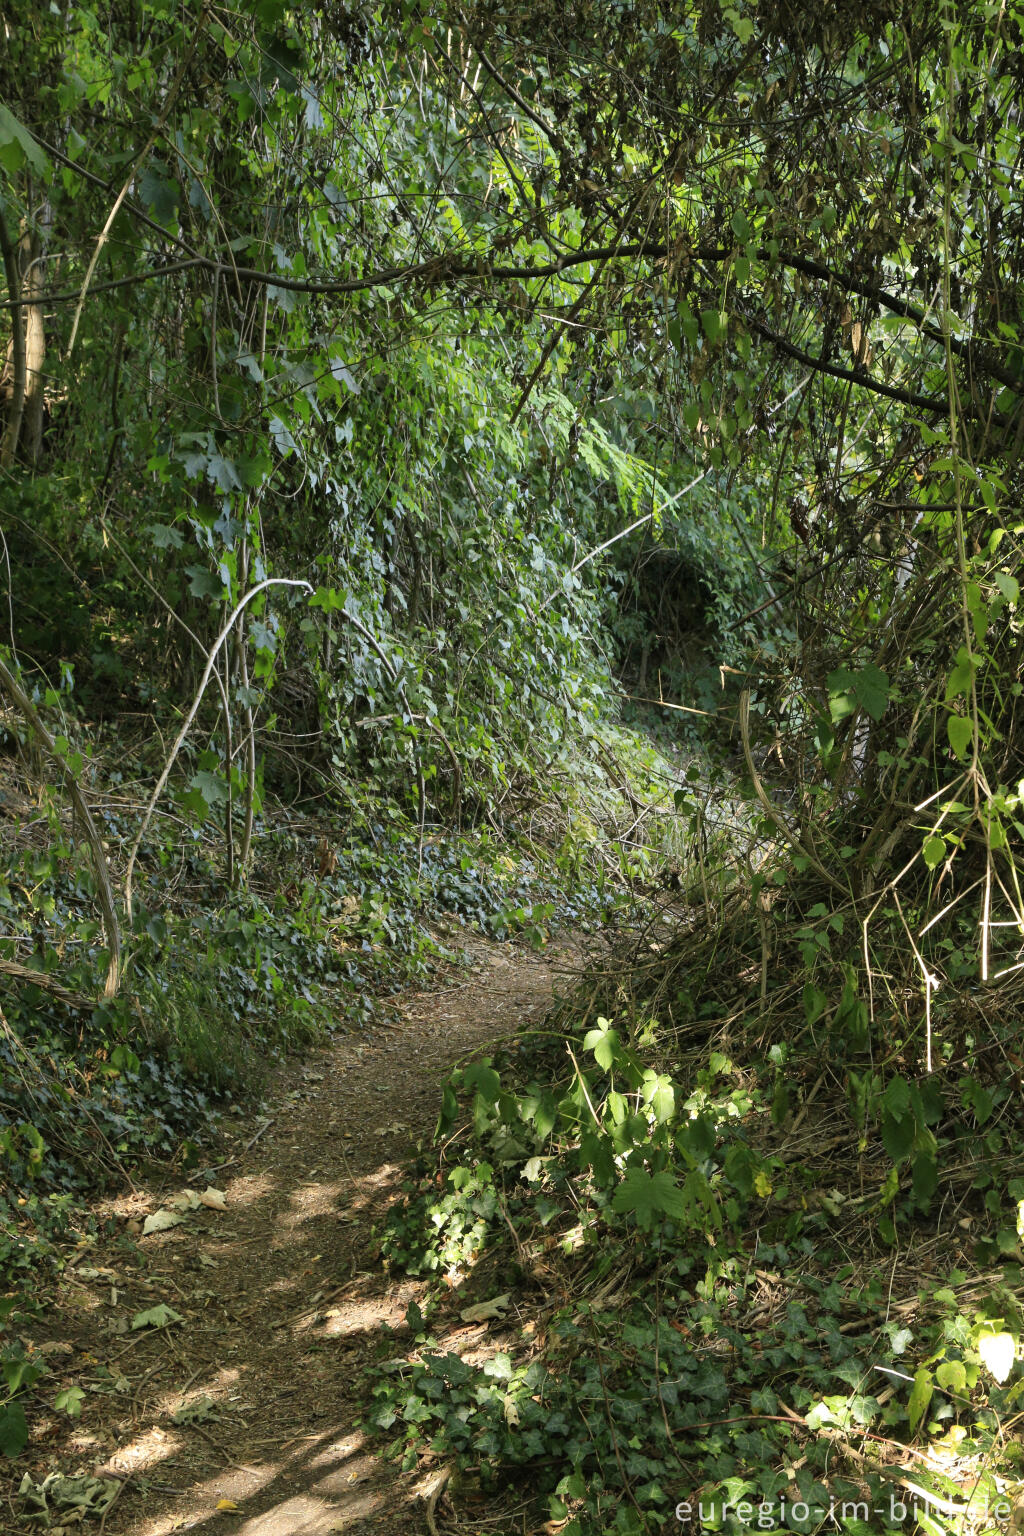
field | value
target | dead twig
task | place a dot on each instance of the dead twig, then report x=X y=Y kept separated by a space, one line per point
x=440 y=1484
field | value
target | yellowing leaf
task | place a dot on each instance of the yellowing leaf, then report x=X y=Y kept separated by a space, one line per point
x=997 y=1351
x=227 y=1505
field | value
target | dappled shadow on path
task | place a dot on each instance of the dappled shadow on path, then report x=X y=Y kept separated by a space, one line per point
x=246 y=1415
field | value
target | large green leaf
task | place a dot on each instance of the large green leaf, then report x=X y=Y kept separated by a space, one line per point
x=647 y=1195
x=961 y=733
x=18 y=147
x=13 y=1429
x=920 y=1397
x=867 y=689
x=898 y=1134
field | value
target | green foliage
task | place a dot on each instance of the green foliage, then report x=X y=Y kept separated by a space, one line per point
x=20 y=1373
x=477 y=397
x=661 y=1245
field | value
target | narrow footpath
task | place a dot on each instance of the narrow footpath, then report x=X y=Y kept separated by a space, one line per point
x=242 y=1413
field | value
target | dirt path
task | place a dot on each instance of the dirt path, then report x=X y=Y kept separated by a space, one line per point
x=281 y=1299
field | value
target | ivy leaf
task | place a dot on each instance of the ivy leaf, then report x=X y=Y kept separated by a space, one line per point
x=997 y=1351
x=901 y=1338
x=951 y=1375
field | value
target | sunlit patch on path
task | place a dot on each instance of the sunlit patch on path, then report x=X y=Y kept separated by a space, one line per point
x=246 y=1414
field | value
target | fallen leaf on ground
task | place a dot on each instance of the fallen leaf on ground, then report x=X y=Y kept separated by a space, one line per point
x=485 y=1310
x=160 y=1316
x=195 y=1412
x=188 y=1200
x=159 y=1221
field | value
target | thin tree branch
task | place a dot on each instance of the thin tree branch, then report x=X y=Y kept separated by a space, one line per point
x=211 y=660
x=935 y=403
x=137 y=164
x=47 y=983
x=448 y=269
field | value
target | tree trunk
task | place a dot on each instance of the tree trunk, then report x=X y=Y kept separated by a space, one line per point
x=32 y=273
x=16 y=352
x=26 y=354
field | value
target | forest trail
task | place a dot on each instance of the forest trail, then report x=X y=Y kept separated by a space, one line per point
x=255 y=1396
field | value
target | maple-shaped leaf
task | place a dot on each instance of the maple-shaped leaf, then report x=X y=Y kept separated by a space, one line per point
x=649 y=1195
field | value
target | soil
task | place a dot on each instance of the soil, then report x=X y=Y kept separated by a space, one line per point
x=245 y=1416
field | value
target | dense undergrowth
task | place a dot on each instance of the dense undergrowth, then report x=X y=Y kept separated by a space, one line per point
x=221 y=984
x=736 y=1261
x=742 y=1228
